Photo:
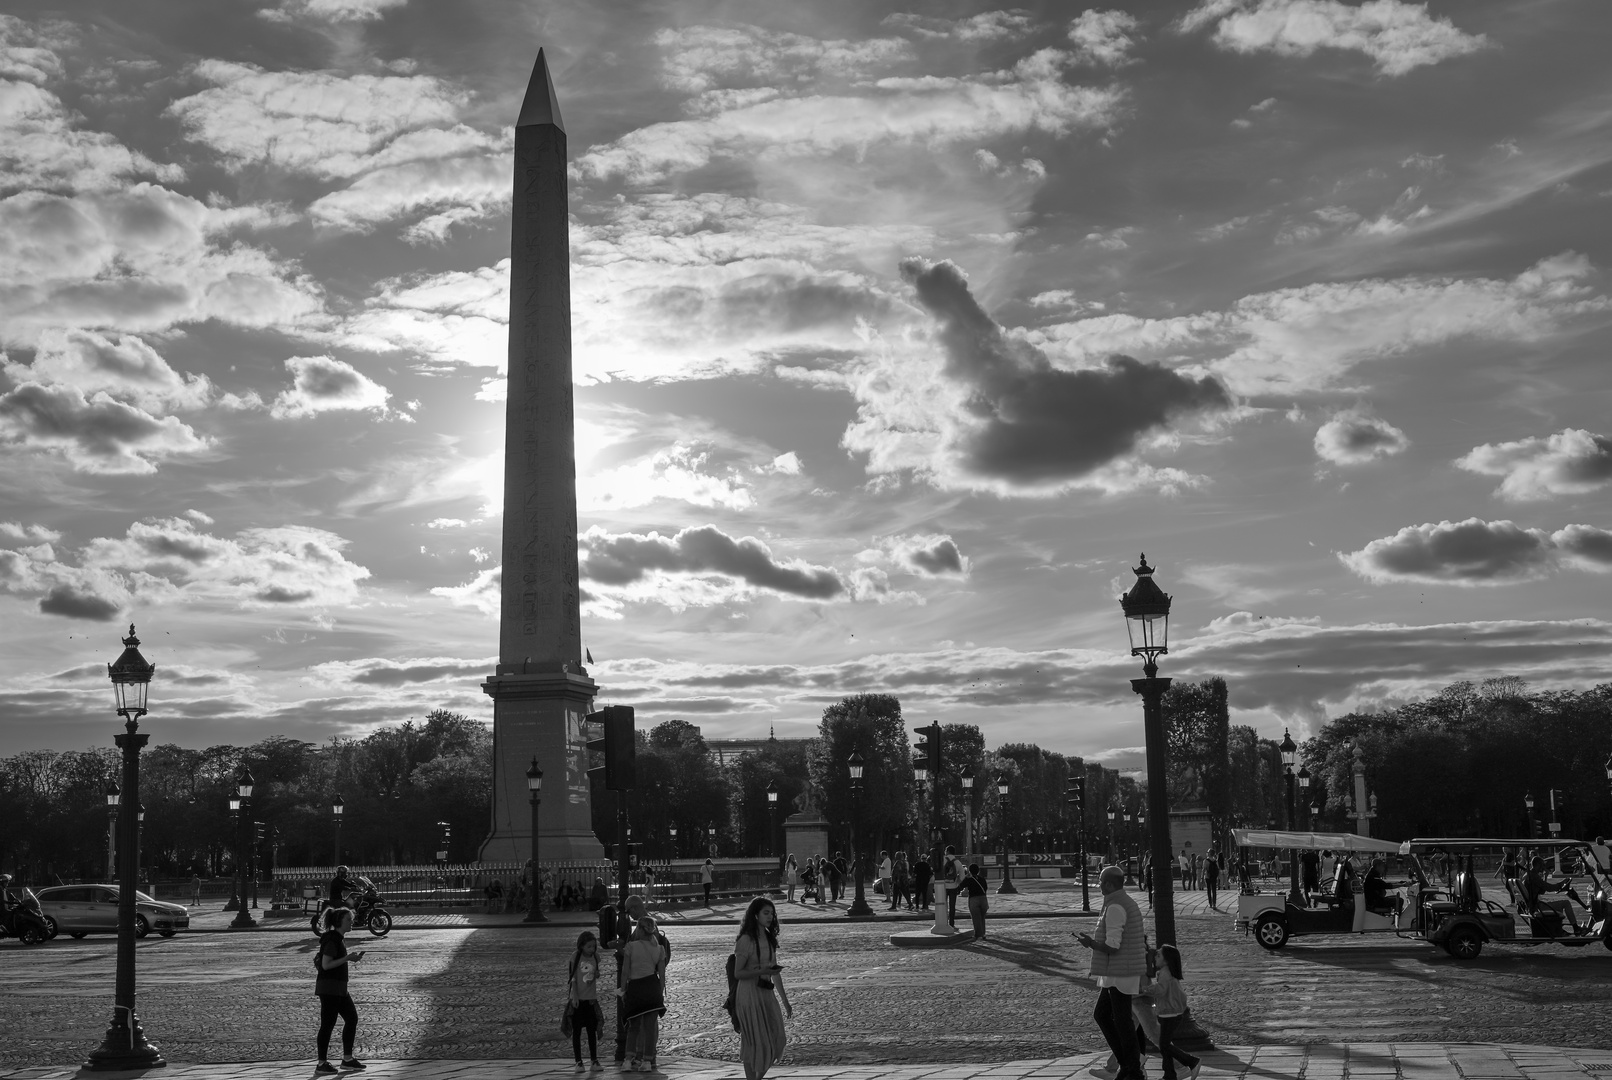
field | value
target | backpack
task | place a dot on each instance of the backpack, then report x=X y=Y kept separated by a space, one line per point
x=731 y=1003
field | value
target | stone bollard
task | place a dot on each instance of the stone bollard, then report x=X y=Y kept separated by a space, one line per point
x=943 y=916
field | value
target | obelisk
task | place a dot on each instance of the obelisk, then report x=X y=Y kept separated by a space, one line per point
x=541 y=690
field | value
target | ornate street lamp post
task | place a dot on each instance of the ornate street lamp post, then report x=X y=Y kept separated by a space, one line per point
x=112 y=797
x=1007 y=867
x=336 y=807
x=1113 y=841
x=772 y=820
x=534 y=790
x=859 y=905
x=125 y=1046
x=1127 y=838
x=1290 y=752
x=672 y=832
x=243 y=861
x=968 y=808
x=1528 y=803
x=710 y=835
x=1304 y=796
x=1147 y=623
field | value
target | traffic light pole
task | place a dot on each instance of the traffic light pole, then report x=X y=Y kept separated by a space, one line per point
x=1085 y=891
x=623 y=851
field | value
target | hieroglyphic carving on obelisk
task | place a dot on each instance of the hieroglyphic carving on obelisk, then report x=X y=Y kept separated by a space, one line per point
x=541 y=690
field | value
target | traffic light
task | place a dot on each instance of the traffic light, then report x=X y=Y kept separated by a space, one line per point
x=927 y=751
x=1075 y=794
x=618 y=743
x=260 y=831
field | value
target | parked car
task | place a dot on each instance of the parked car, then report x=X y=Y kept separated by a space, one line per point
x=93 y=909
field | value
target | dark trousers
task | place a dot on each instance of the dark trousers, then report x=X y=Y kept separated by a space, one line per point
x=951 y=903
x=976 y=909
x=707 y=887
x=1212 y=887
x=924 y=893
x=586 y=1017
x=1168 y=1050
x=330 y=1007
x=1113 y=1016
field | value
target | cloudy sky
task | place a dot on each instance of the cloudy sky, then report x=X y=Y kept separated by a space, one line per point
x=901 y=329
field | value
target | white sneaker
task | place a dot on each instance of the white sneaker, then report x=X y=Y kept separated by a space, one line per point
x=1196 y=1069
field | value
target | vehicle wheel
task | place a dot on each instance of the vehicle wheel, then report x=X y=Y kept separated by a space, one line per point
x=1270 y=931
x=76 y=934
x=167 y=933
x=142 y=926
x=50 y=927
x=1464 y=943
x=31 y=935
x=318 y=930
x=380 y=923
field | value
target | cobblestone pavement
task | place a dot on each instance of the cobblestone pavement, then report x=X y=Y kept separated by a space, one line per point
x=486 y=993
x=1316 y=1061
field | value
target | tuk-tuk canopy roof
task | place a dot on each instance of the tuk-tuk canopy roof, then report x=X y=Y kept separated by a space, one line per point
x=1317 y=841
x=1424 y=843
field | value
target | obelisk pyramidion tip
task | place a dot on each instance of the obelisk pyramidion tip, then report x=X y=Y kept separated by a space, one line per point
x=540 y=106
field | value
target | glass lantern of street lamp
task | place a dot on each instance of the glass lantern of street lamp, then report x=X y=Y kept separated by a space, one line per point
x=1289 y=749
x=1111 y=813
x=113 y=795
x=244 y=782
x=131 y=677
x=234 y=804
x=968 y=775
x=855 y=764
x=140 y=815
x=1002 y=789
x=1304 y=778
x=1315 y=810
x=336 y=807
x=1147 y=616
x=534 y=778
x=772 y=793
x=1609 y=768
x=920 y=772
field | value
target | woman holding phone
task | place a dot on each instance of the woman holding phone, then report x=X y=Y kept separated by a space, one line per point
x=760 y=988
x=332 y=962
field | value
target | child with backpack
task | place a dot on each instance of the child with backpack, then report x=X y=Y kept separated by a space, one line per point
x=584 y=997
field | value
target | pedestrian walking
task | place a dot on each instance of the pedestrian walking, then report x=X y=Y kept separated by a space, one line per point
x=1329 y=867
x=791 y=877
x=951 y=871
x=837 y=869
x=1170 y=1000
x=973 y=886
x=598 y=895
x=901 y=880
x=195 y=890
x=332 y=963
x=643 y=992
x=1185 y=865
x=887 y=873
x=1118 y=962
x=810 y=881
x=707 y=875
x=584 y=997
x=922 y=873
x=759 y=990
x=1211 y=879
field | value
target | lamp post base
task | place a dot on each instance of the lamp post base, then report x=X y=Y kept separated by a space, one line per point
x=234 y=899
x=122 y=1049
x=536 y=913
x=1007 y=877
x=859 y=908
x=243 y=920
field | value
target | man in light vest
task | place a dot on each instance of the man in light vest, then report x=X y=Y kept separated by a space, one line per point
x=1118 y=962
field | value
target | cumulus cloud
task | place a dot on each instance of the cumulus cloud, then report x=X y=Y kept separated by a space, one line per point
x=628 y=558
x=405 y=672
x=122 y=365
x=172 y=560
x=96 y=434
x=1355 y=438
x=926 y=554
x=481 y=592
x=1398 y=37
x=894 y=110
x=987 y=26
x=1002 y=417
x=683 y=472
x=1573 y=461
x=1478 y=552
x=41 y=143
x=330 y=10
x=702 y=58
x=136 y=260
x=1309 y=338
x=1103 y=37
x=322 y=384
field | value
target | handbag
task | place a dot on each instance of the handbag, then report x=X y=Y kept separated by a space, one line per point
x=731 y=1004
x=568 y=1018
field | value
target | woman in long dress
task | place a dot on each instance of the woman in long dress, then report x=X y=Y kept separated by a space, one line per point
x=760 y=988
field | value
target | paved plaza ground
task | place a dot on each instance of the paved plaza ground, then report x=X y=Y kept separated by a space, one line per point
x=490 y=990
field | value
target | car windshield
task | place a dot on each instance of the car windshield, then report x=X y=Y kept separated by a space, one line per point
x=138 y=895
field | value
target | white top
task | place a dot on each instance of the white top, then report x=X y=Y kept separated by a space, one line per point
x=1113 y=921
x=886 y=868
x=1603 y=855
x=705 y=874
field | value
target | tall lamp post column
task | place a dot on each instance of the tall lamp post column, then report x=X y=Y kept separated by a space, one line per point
x=534 y=790
x=336 y=807
x=1007 y=866
x=968 y=808
x=773 y=846
x=125 y=1047
x=1528 y=805
x=671 y=831
x=1147 y=622
x=1290 y=754
x=859 y=905
x=1126 y=846
x=243 y=786
x=1304 y=796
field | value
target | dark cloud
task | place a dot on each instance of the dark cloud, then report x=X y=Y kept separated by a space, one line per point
x=1353 y=439
x=1470 y=552
x=417 y=673
x=80 y=673
x=738 y=678
x=939 y=558
x=1586 y=544
x=75 y=602
x=621 y=559
x=694 y=705
x=281 y=594
x=96 y=434
x=1035 y=423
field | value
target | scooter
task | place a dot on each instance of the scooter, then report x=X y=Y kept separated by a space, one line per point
x=24 y=920
x=369 y=911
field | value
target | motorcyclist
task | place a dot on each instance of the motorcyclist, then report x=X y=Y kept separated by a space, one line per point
x=341 y=885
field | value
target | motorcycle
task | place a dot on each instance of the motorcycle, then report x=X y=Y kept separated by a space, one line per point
x=24 y=920
x=369 y=911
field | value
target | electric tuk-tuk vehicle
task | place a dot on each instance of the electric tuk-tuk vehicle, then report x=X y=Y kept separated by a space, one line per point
x=1274 y=918
x=1460 y=918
